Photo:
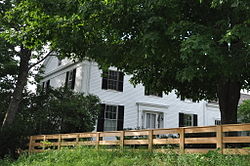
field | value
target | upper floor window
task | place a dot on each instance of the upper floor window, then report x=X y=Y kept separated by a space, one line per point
x=45 y=85
x=113 y=80
x=59 y=62
x=187 y=120
x=70 y=79
x=150 y=92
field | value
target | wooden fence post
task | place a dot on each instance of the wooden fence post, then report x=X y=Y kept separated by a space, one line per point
x=44 y=142
x=122 y=139
x=77 y=139
x=97 y=140
x=30 y=144
x=150 y=140
x=219 y=138
x=59 y=142
x=182 y=140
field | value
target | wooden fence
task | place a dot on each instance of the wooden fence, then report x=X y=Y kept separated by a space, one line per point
x=184 y=140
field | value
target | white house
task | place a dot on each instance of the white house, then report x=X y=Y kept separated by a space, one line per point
x=126 y=106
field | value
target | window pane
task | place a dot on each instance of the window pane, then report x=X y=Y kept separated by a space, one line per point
x=188 y=120
x=150 y=120
x=113 y=80
x=110 y=118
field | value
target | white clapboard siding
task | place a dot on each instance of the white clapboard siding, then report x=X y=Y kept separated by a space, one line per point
x=89 y=80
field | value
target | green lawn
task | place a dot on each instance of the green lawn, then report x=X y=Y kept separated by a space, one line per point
x=91 y=157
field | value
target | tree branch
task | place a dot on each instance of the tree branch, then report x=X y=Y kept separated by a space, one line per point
x=32 y=65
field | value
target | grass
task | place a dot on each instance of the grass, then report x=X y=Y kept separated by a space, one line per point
x=82 y=156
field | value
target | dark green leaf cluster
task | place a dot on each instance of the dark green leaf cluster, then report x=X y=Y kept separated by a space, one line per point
x=56 y=111
x=191 y=46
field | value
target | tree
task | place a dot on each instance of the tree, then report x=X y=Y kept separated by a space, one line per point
x=244 y=112
x=25 y=31
x=198 y=48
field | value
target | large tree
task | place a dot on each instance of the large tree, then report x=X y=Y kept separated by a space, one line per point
x=24 y=31
x=199 y=48
x=30 y=30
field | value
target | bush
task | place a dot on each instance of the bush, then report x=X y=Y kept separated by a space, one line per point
x=244 y=112
x=56 y=111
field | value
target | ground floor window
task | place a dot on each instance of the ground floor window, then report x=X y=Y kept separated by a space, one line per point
x=111 y=118
x=153 y=120
x=187 y=120
x=217 y=122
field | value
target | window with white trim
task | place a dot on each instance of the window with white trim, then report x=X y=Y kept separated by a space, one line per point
x=70 y=79
x=150 y=92
x=113 y=80
x=110 y=118
x=217 y=122
x=153 y=120
x=45 y=85
x=188 y=120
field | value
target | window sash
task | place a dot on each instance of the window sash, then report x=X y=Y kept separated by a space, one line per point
x=110 y=118
x=113 y=79
x=188 y=119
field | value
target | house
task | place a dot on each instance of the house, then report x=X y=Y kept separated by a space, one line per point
x=123 y=105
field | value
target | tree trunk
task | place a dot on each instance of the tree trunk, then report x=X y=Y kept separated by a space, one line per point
x=25 y=56
x=229 y=94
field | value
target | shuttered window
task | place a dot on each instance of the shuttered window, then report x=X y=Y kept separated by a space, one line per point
x=45 y=86
x=188 y=120
x=113 y=80
x=217 y=122
x=150 y=92
x=70 y=79
x=111 y=118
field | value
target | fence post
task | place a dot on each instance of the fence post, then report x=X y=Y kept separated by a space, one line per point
x=122 y=139
x=150 y=140
x=30 y=144
x=97 y=140
x=219 y=138
x=77 y=139
x=44 y=142
x=182 y=140
x=59 y=141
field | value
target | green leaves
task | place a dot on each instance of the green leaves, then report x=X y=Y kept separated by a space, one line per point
x=244 y=112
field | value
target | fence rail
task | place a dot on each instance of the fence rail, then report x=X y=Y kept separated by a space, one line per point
x=184 y=140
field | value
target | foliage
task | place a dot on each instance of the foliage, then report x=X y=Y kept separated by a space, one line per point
x=244 y=112
x=56 y=111
x=62 y=111
x=88 y=156
x=199 y=48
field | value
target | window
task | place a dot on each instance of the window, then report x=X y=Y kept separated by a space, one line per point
x=70 y=79
x=150 y=92
x=59 y=62
x=153 y=120
x=217 y=122
x=187 y=120
x=150 y=121
x=113 y=80
x=110 y=118
x=45 y=85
